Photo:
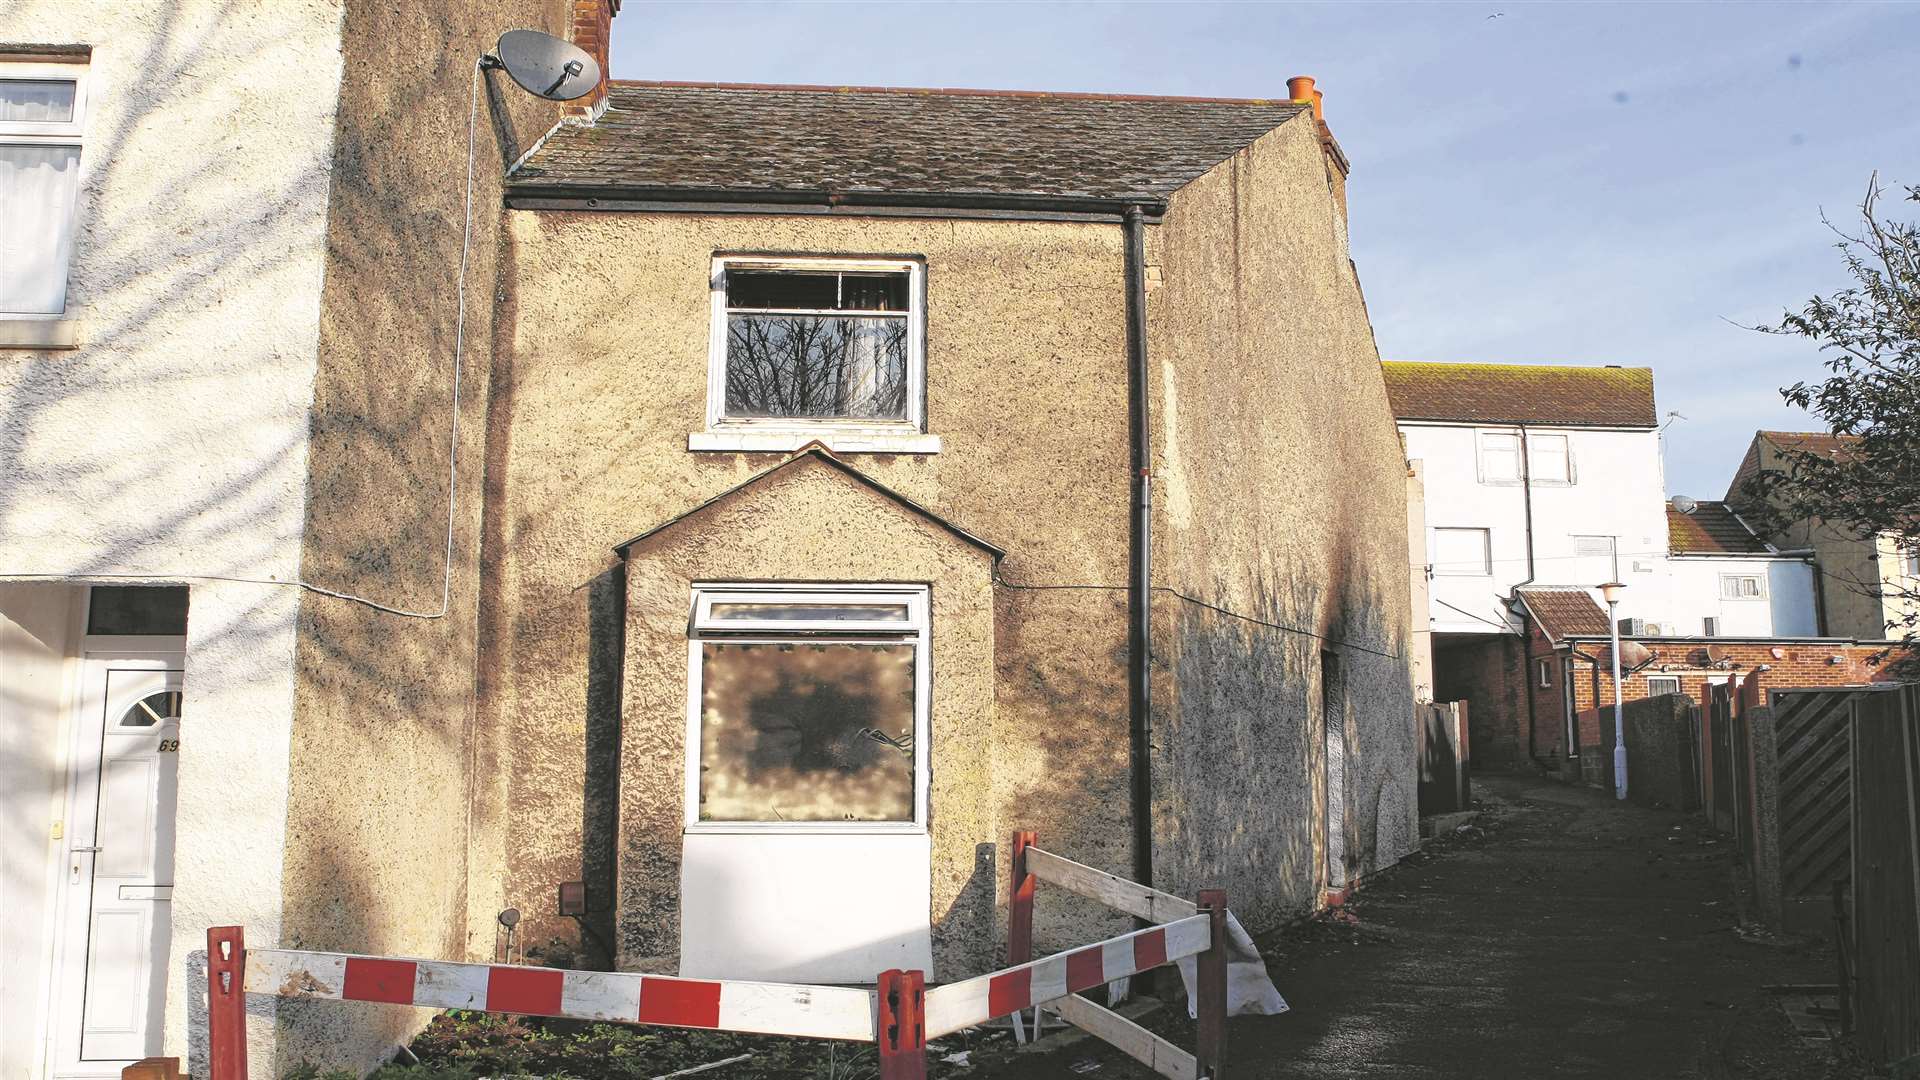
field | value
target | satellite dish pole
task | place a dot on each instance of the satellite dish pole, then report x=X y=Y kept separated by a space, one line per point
x=544 y=65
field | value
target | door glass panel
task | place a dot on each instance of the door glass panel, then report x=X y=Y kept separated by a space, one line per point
x=137 y=609
x=153 y=709
x=802 y=731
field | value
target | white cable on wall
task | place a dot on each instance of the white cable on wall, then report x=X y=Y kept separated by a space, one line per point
x=453 y=439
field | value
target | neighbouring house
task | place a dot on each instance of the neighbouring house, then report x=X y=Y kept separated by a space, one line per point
x=1535 y=475
x=844 y=479
x=1868 y=584
x=228 y=317
x=1570 y=691
x=1726 y=581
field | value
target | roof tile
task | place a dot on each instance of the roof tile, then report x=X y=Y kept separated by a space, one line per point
x=1564 y=613
x=1522 y=394
x=677 y=138
x=1712 y=529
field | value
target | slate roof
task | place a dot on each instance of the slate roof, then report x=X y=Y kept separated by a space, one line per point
x=1564 y=613
x=1522 y=394
x=911 y=146
x=1712 y=529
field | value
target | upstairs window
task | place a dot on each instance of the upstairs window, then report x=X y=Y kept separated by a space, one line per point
x=1499 y=457
x=42 y=107
x=1742 y=587
x=812 y=342
x=1548 y=460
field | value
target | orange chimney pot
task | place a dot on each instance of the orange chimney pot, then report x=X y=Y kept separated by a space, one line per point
x=1300 y=89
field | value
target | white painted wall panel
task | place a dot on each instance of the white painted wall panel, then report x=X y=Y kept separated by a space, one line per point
x=805 y=907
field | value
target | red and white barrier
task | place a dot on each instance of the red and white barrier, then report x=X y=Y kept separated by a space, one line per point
x=820 y=1012
x=975 y=1001
x=899 y=1014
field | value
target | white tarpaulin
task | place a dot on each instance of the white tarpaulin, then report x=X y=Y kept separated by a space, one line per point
x=1249 y=991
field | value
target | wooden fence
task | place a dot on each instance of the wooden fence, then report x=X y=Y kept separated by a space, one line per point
x=1445 y=784
x=1812 y=731
x=1885 y=816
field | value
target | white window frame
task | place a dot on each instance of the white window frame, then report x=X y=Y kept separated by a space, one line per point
x=1544 y=673
x=918 y=629
x=1566 y=443
x=779 y=433
x=1481 y=438
x=1760 y=586
x=1613 y=551
x=65 y=133
x=1674 y=679
x=1486 y=540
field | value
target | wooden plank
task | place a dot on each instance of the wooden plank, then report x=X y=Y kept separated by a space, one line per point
x=1116 y=892
x=1127 y=1037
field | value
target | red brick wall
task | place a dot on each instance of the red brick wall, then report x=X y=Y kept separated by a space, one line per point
x=1797 y=665
x=593 y=31
x=1490 y=675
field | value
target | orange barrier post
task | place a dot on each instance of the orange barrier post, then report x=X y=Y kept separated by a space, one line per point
x=226 y=1003
x=1210 y=988
x=902 y=1025
x=1020 y=902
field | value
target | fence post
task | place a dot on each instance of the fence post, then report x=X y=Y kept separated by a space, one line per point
x=1210 y=987
x=1019 y=902
x=902 y=1025
x=226 y=1003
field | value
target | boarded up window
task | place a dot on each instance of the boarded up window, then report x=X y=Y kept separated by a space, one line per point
x=808 y=704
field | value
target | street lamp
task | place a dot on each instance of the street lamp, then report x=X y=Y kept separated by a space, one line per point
x=1611 y=593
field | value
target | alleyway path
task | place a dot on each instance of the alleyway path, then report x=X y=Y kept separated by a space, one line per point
x=1570 y=937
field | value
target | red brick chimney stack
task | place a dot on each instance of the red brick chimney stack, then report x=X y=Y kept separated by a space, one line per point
x=592 y=30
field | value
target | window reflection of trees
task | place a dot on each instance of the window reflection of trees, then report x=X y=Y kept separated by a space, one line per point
x=807 y=732
x=817 y=366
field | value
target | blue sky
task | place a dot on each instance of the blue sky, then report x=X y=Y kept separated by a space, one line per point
x=1532 y=183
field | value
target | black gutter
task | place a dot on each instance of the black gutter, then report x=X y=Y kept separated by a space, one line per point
x=535 y=196
x=1140 y=578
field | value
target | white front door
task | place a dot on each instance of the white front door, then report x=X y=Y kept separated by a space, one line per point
x=117 y=883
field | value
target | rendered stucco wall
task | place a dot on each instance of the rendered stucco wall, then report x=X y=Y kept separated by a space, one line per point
x=1281 y=496
x=383 y=754
x=173 y=441
x=602 y=376
x=809 y=522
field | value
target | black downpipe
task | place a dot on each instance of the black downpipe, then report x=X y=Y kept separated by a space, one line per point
x=1140 y=577
x=1526 y=489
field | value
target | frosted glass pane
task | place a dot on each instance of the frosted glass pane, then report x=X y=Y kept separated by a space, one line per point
x=37 y=188
x=36 y=101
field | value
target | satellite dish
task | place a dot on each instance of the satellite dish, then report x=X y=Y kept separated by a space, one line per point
x=546 y=66
x=1684 y=504
x=510 y=917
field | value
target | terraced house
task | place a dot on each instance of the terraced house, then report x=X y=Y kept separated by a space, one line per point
x=842 y=479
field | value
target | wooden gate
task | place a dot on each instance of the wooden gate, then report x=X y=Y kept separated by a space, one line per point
x=1813 y=742
x=1725 y=786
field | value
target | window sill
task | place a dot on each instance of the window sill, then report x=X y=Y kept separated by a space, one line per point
x=17 y=332
x=840 y=442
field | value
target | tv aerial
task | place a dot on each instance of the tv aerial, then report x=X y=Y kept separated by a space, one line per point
x=544 y=65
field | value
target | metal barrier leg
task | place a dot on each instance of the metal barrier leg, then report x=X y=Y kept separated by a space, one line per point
x=226 y=1003
x=902 y=1024
x=1210 y=988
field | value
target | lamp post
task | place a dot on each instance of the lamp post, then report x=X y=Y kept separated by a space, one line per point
x=1611 y=592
